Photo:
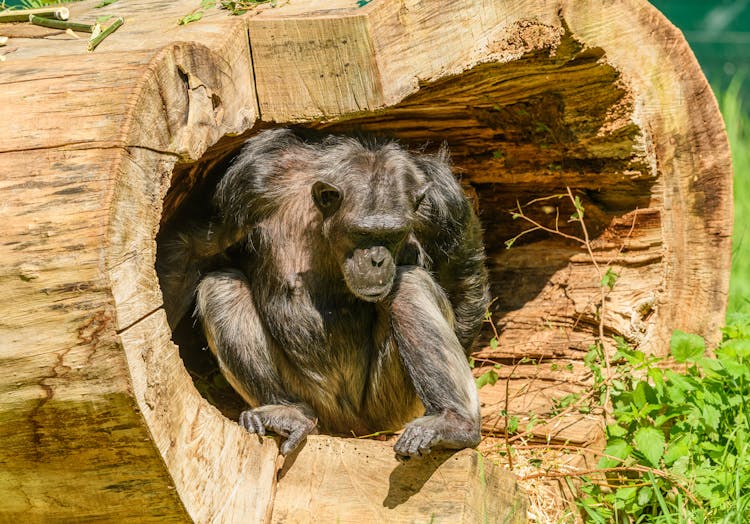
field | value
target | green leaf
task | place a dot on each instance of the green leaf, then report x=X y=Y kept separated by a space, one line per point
x=681 y=383
x=493 y=343
x=609 y=278
x=677 y=449
x=617 y=449
x=681 y=465
x=733 y=368
x=625 y=496
x=616 y=430
x=711 y=416
x=105 y=3
x=488 y=377
x=578 y=215
x=657 y=377
x=738 y=348
x=686 y=346
x=644 y=495
x=650 y=442
x=642 y=395
x=192 y=17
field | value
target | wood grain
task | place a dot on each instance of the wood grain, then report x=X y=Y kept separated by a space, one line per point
x=349 y=486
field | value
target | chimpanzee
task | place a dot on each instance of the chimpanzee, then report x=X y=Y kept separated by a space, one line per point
x=358 y=293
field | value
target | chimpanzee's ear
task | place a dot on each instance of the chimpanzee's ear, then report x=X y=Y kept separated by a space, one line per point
x=420 y=194
x=327 y=197
x=242 y=194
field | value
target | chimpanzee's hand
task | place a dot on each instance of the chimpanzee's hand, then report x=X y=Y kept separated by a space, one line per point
x=446 y=430
x=287 y=421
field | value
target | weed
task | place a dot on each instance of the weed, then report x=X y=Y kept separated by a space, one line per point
x=677 y=449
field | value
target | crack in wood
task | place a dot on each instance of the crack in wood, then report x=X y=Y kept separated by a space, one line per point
x=139 y=320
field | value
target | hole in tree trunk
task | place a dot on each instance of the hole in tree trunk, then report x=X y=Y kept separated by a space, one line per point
x=519 y=133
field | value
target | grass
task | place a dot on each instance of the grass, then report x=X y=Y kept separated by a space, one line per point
x=737 y=119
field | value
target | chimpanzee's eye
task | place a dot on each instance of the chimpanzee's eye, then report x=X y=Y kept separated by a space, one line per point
x=327 y=197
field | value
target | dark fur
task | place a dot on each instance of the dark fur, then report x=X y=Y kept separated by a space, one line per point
x=361 y=291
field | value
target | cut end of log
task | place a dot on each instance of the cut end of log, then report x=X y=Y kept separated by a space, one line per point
x=361 y=481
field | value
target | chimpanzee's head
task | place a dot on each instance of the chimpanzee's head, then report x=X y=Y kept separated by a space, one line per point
x=368 y=196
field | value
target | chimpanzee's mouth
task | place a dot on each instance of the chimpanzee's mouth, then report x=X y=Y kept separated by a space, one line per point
x=374 y=294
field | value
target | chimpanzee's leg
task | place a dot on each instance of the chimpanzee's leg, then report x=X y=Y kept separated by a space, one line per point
x=243 y=347
x=422 y=324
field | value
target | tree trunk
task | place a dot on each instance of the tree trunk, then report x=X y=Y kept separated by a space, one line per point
x=99 y=416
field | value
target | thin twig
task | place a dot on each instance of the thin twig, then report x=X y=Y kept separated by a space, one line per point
x=586 y=239
x=538 y=226
x=508 y=449
x=617 y=469
x=496 y=336
x=61 y=24
x=22 y=15
x=371 y=435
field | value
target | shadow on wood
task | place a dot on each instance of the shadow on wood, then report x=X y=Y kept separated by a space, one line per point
x=349 y=485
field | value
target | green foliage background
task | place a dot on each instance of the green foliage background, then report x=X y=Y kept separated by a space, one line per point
x=719 y=34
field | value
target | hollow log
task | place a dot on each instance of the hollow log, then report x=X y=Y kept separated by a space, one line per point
x=101 y=417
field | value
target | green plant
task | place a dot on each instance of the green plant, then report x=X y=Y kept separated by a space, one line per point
x=677 y=449
x=234 y=7
x=197 y=13
x=238 y=7
x=677 y=435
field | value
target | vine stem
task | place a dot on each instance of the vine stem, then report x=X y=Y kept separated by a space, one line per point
x=61 y=24
x=616 y=469
x=586 y=242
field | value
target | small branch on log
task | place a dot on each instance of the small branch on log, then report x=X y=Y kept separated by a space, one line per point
x=3 y=40
x=60 y=24
x=22 y=15
x=111 y=28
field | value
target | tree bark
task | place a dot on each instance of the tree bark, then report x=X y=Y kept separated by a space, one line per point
x=99 y=417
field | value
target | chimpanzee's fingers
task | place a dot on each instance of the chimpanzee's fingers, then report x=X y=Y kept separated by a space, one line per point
x=252 y=423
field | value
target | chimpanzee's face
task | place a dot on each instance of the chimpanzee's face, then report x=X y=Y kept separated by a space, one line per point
x=369 y=204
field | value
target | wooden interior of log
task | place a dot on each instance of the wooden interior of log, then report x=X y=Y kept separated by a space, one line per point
x=520 y=133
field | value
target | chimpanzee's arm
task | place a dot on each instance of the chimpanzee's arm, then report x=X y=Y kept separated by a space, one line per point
x=243 y=348
x=450 y=233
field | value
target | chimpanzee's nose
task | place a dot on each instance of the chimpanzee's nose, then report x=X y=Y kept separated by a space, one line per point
x=377 y=256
